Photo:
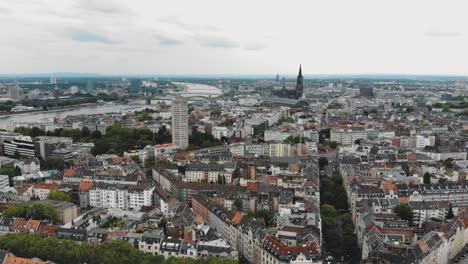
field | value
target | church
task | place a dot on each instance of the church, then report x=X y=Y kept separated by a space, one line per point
x=291 y=93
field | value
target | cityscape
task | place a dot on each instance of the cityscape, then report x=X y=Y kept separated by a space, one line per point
x=197 y=148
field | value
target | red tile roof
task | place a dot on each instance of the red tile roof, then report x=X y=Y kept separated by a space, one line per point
x=285 y=251
x=85 y=186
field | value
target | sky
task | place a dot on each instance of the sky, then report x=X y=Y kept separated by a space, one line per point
x=234 y=37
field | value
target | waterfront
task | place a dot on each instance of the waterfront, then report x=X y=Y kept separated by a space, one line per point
x=134 y=105
x=78 y=110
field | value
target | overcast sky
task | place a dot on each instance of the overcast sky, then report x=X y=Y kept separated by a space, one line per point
x=234 y=36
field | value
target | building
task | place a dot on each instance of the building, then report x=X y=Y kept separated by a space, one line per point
x=209 y=173
x=24 y=145
x=15 y=92
x=41 y=190
x=280 y=150
x=422 y=211
x=143 y=154
x=4 y=182
x=273 y=135
x=45 y=145
x=291 y=93
x=89 y=87
x=53 y=79
x=121 y=196
x=347 y=137
x=180 y=131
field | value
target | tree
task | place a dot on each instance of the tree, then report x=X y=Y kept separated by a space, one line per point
x=329 y=213
x=58 y=196
x=35 y=132
x=237 y=204
x=216 y=112
x=17 y=171
x=85 y=132
x=136 y=159
x=323 y=162
x=52 y=163
x=96 y=134
x=405 y=212
x=442 y=180
x=113 y=222
x=450 y=213
x=43 y=211
x=427 y=178
x=149 y=162
x=333 y=144
x=405 y=167
x=448 y=163
x=16 y=211
x=16 y=155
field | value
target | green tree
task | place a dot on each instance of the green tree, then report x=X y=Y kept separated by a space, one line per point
x=333 y=144
x=450 y=212
x=427 y=178
x=216 y=112
x=237 y=204
x=58 y=196
x=136 y=159
x=44 y=211
x=405 y=212
x=17 y=171
x=16 y=211
x=448 y=163
x=113 y=222
x=328 y=212
x=323 y=162
x=85 y=133
x=53 y=163
x=96 y=134
x=16 y=155
x=150 y=162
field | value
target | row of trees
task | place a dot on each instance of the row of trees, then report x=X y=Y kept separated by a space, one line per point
x=39 y=211
x=64 y=251
x=117 y=139
x=199 y=140
x=337 y=224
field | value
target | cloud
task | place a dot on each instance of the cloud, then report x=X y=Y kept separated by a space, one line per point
x=213 y=41
x=4 y=10
x=254 y=46
x=103 y=6
x=86 y=36
x=167 y=41
x=441 y=34
x=173 y=20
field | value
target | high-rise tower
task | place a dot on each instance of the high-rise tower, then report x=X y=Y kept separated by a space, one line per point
x=180 y=136
x=299 y=84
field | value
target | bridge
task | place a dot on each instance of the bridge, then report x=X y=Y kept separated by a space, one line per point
x=190 y=97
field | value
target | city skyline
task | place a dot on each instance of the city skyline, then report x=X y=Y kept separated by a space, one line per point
x=238 y=38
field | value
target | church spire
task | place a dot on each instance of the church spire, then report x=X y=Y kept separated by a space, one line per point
x=300 y=70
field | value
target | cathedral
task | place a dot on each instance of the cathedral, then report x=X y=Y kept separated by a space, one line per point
x=291 y=93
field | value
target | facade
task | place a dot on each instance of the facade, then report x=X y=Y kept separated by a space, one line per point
x=180 y=137
x=347 y=137
x=272 y=135
x=121 y=196
x=4 y=182
x=203 y=172
x=24 y=145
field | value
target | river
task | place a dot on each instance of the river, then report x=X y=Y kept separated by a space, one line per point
x=134 y=105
